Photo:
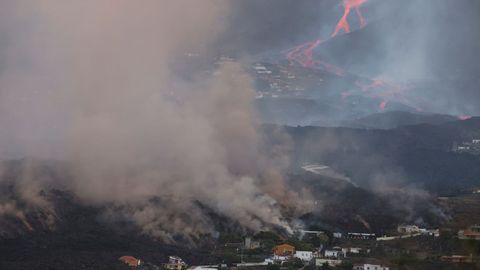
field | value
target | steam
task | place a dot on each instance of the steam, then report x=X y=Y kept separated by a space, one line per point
x=91 y=82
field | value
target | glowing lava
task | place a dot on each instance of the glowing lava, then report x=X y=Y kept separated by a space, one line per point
x=387 y=92
x=464 y=117
x=343 y=24
x=303 y=54
x=383 y=105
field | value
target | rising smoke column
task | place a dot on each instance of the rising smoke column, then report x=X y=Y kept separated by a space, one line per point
x=91 y=82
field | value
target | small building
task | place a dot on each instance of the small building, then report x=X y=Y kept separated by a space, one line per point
x=362 y=236
x=414 y=230
x=337 y=235
x=408 y=229
x=251 y=244
x=369 y=267
x=130 y=261
x=351 y=250
x=305 y=256
x=279 y=258
x=434 y=232
x=304 y=233
x=284 y=250
x=456 y=259
x=472 y=233
x=331 y=262
x=253 y=265
x=333 y=254
x=476 y=141
x=175 y=263
x=355 y=250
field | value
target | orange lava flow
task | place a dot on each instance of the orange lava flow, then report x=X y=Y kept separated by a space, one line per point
x=303 y=54
x=343 y=24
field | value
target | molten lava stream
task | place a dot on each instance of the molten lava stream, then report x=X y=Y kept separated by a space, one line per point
x=343 y=22
x=303 y=54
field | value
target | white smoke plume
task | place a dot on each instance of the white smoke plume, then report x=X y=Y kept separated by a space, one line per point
x=91 y=82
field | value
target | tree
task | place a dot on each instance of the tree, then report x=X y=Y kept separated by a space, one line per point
x=326 y=266
x=272 y=266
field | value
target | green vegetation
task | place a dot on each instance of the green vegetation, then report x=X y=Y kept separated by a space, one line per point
x=406 y=260
x=271 y=266
x=293 y=264
x=231 y=238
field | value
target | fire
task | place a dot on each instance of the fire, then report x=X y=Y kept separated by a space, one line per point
x=303 y=54
x=387 y=91
x=464 y=117
x=383 y=105
x=343 y=24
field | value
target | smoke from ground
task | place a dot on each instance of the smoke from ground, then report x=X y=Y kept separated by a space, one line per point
x=90 y=82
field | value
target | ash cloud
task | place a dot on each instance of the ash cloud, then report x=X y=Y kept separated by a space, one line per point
x=91 y=82
x=262 y=26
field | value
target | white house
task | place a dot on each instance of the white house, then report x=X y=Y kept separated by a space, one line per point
x=305 y=256
x=351 y=250
x=278 y=258
x=355 y=250
x=330 y=262
x=408 y=229
x=414 y=229
x=333 y=253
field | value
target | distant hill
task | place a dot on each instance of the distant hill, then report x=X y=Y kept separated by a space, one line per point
x=418 y=155
x=394 y=119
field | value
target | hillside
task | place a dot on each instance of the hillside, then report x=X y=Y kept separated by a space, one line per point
x=419 y=155
x=395 y=119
